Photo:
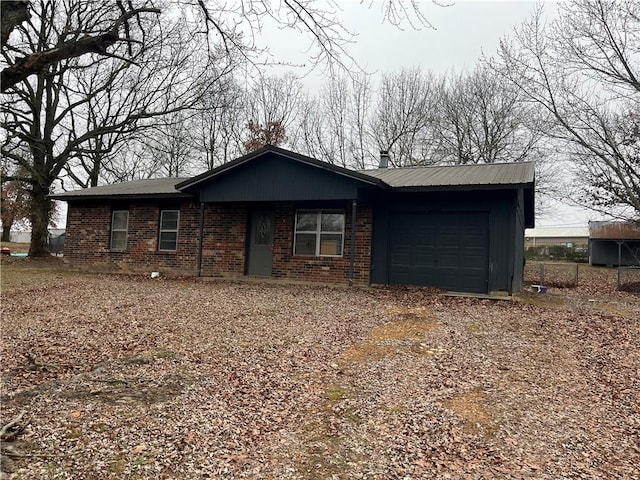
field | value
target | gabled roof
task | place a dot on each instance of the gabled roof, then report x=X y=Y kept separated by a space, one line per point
x=409 y=179
x=494 y=174
x=153 y=187
x=362 y=177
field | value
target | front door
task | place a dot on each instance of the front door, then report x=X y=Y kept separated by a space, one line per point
x=260 y=259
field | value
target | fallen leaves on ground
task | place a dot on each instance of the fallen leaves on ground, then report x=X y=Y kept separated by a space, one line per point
x=128 y=377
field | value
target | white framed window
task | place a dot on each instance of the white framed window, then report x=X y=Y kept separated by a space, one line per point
x=168 y=238
x=119 y=228
x=319 y=233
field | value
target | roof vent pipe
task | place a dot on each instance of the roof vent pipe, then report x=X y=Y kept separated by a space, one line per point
x=384 y=159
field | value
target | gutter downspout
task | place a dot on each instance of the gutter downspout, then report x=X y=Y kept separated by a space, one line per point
x=200 y=238
x=352 y=253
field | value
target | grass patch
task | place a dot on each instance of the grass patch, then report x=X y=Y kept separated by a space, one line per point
x=16 y=247
x=615 y=309
x=335 y=394
x=391 y=338
x=471 y=406
x=165 y=354
x=29 y=273
x=402 y=330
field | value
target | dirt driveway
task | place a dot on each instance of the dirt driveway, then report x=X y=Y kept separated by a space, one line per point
x=124 y=377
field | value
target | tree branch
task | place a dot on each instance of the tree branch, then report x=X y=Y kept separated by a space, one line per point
x=36 y=62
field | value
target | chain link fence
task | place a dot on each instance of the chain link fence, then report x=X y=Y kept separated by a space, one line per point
x=559 y=275
x=628 y=279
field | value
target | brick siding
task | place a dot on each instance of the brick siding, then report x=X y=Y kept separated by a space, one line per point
x=224 y=249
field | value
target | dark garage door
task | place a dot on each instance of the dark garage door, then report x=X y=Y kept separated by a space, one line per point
x=444 y=250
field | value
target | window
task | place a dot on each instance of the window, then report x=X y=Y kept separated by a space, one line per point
x=119 y=227
x=168 y=240
x=319 y=233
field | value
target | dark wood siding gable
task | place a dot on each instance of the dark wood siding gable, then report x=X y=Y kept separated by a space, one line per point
x=274 y=178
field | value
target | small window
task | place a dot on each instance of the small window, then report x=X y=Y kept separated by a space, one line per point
x=168 y=240
x=119 y=227
x=319 y=233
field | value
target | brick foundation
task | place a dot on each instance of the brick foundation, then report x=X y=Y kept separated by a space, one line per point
x=224 y=251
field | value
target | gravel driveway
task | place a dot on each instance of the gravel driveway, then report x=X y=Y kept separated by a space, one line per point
x=128 y=377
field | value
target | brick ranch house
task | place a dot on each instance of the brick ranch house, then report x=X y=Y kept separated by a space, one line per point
x=276 y=213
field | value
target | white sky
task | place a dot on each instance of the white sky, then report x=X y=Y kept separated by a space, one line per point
x=462 y=33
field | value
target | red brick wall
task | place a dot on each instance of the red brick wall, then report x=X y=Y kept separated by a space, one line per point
x=322 y=269
x=224 y=242
x=224 y=238
x=87 y=241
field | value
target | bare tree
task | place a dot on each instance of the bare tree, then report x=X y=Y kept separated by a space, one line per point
x=109 y=26
x=273 y=103
x=362 y=148
x=236 y=23
x=46 y=42
x=132 y=162
x=324 y=124
x=68 y=118
x=219 y=125
x=171 y=146
x=402 y=125
x=583 y=70
x=482 y=120
x=335 y=125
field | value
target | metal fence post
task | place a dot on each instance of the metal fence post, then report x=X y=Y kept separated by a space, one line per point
x=619 y=263
x=542 y=274
x=576 y=274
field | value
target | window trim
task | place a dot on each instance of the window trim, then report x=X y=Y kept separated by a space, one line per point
x=113 y=230
x=167 y=230
x=318 y=232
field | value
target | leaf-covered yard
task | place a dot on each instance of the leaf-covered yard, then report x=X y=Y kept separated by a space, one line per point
x=129 y=377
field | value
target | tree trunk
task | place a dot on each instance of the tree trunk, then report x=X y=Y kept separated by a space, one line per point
x=40 y=210
x=6 y=231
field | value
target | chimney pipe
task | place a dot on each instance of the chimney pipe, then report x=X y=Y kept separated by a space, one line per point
x=384 y=159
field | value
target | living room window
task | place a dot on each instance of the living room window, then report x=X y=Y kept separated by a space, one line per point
x=319 y=233
x=168 y=239
x=119 y=228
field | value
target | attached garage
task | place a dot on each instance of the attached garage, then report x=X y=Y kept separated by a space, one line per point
x=455 y=228
x=447 y=250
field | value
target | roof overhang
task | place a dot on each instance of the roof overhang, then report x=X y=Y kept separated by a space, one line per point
x=460 y=188
x=114 y=197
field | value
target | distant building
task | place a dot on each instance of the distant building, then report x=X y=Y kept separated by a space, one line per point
x=614 y=243
x=571 y=237
x=24 y=236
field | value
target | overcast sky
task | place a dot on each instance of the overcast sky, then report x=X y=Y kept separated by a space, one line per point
x=461 y=33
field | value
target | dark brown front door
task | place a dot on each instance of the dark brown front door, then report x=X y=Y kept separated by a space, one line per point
x=260 y=259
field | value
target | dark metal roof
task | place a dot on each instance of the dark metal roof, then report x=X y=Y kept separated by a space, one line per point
x=154 y=187
x=402 y=179
x=363 y=177
x=456 y=175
